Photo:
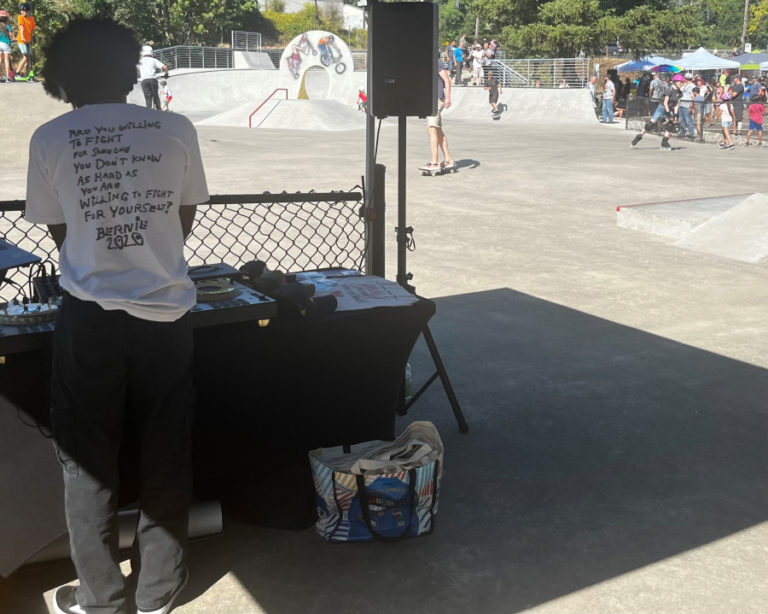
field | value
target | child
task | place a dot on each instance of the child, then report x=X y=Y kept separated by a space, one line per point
x=27 y=26
x=362 y=101
x=726 y=117
x=756 y=110
x=699 y=101
x=167 y=96
x=5 y=46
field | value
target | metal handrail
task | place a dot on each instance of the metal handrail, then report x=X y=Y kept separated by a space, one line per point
x=278 y=89
x=509 y=76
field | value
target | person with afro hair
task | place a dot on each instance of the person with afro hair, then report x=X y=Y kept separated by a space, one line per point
x=117 y=185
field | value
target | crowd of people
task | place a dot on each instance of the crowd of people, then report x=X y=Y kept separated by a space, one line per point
x=17 y=32
x=474 y=58
x=687 y=104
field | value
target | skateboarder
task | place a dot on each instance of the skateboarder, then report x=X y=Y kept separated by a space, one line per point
x=493 y=85
x=663 y=116
x=437 y=138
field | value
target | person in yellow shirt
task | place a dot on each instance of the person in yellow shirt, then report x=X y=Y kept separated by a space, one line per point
x=26 y=28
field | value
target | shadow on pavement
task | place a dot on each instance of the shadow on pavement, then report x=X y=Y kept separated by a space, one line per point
x=594 y=449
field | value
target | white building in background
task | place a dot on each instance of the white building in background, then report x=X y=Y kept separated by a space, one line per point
x=354 y=18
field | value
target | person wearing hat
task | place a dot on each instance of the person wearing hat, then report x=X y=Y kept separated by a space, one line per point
x=663 y=116
x=478 y=56
x=27 y=26
x=684 y=113
x=726 y=120
x=754 y=88
x=148 y=67
x=737 y=102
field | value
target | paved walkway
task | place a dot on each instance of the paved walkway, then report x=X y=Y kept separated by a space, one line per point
x=615 y=386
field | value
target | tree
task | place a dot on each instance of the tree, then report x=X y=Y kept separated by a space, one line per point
x=454 y=20
x=725 y=20
x=495 y=15
x=563 y=29
x=757 y=30
x=289 y=25
x=651 y=31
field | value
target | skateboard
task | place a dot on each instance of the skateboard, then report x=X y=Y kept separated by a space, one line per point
x=438 y=171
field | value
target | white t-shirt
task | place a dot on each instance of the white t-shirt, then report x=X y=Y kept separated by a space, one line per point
x=116 y=175
x=148 y=66
x=477 y=58
x=687 y=93
x=609 y=89
x=725 y=116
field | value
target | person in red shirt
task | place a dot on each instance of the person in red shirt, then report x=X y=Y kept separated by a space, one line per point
x=27 y=26
x=362 y=100
x=756 y=111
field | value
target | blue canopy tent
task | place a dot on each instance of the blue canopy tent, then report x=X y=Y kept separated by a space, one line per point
x=751 y=61
x=642 y=64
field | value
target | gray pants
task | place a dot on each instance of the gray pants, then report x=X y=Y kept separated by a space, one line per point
x=151 y=91
x=112 y=374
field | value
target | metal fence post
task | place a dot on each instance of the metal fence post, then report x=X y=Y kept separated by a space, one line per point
x=376 y=218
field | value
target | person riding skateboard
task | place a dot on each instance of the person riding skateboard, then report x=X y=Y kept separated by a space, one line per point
x=437 y=138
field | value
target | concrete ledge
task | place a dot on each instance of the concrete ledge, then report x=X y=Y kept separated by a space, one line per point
x=674 y=219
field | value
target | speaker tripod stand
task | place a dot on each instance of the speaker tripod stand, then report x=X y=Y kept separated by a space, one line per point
x=403 y=278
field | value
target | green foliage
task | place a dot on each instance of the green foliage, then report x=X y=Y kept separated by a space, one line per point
x=455 y=20
x=290 y=25
x=757 y=31
x=495 y=15
x=564 y=28
x=525 y=28
x=451 y=23
x=648 y=31
x=725 y=19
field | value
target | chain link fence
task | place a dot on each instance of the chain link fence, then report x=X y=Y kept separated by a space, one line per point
x=289 y=232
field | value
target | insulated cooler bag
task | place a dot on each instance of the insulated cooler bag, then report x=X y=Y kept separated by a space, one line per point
x=380 y=490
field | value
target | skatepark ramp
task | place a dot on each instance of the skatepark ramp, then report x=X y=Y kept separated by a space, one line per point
x=320 y=115
x=228 y=97
x=524 y=105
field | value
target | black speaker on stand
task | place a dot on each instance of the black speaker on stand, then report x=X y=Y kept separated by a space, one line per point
x=402 y=81
x=402 y=73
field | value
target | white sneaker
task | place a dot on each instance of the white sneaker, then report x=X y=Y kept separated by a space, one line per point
x=65 y=602
x=168 y=606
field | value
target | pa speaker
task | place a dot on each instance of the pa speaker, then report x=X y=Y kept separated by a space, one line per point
x=402 y=68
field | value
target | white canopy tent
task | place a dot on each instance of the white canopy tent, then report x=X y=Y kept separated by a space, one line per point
x=701 y=59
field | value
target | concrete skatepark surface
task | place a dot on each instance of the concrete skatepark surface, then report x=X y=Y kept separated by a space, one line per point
x=614 y=385
x=731 y=226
